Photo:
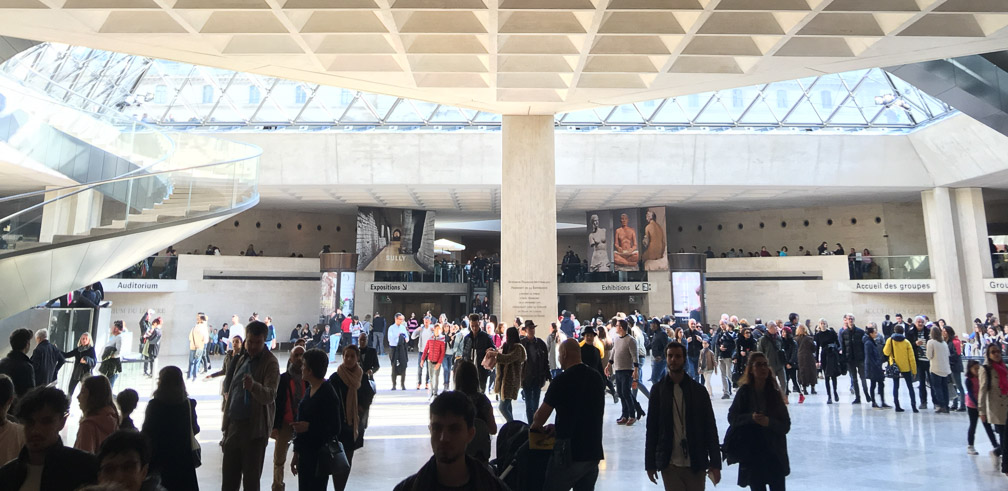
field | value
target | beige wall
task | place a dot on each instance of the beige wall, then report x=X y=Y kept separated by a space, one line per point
x=276 y=242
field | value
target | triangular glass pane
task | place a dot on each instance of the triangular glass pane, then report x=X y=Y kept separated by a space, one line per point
x=424 y=109
x=379 y=102
x=335 y=100
x=716 y=112
x=893 y=114
x=670 y=113
x=694 y=103
x=737 y=100
x=237 y=104
x=448 y=115
x=315 y=112
x=874 y=89
x=807 y=83
x=848 y=114
x=404 y=113
x=282 y=100
x=468 y=113
x=647 y=108
x=782 y=96
x=625 y=114
x=760 y=114
x=358 y=112
x=852 y=78
x=584 y=116
x=826 y=94
x=204 y=89
x=803 y=114
x=485 y=117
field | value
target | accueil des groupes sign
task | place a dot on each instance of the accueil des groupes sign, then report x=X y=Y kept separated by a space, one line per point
x=891 y=286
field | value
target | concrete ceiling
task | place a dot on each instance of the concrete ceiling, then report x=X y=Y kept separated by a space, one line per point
x=524 y=56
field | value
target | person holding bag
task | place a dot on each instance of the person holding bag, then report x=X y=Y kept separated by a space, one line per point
x=352 y=386
x=316 y=428
x=760 y=418
x=85 y=360
x=170 y=423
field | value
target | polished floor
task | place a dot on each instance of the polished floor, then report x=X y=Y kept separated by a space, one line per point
x=837 y=446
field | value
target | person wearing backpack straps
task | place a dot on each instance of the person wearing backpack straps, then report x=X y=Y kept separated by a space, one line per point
x=993 y=402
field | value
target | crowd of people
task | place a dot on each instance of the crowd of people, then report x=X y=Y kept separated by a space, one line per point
x=318 y=422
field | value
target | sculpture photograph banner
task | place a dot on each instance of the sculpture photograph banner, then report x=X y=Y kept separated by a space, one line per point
x=390 y=239
x=653 y=240
x=600 y=241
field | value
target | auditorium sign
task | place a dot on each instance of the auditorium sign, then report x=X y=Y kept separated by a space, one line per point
x=123 y=285
x=891 y=286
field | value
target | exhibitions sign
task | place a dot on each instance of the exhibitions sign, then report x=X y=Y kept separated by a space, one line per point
x=637 y=288
x=891 y=286
x=418 y=288
x=395 y=240
x=996 y=285
x=122 y=285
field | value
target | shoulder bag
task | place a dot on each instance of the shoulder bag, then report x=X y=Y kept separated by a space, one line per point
x=197 y=452
x=332 y=460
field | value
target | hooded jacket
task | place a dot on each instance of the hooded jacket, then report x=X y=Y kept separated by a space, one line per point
x=96 y=428
x=873 y=359
x=901 y=352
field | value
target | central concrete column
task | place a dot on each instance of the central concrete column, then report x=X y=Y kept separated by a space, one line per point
x=528 y=221
x=955 y=225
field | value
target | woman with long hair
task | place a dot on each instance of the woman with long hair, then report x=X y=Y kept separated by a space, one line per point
x=352 y=387
x=100 y=418
x=807 y=373
x=85 y=360
x=790 y=347
x=467 y=382
x=828 y=344
x=937 y=352
x=510 y=361
x=993 y=403
x=972 y=392
x=744 y=346
x=758 y=412
x=956 y=364
x=321 y=411
x=170 y=424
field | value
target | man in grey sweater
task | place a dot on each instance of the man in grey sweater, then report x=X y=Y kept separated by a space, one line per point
x=623 y=364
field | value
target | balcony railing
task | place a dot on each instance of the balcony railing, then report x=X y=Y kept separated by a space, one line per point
x=158 y=267
x=889 y=268
x=579 y=273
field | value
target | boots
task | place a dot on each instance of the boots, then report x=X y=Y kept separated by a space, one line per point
x=883 y=405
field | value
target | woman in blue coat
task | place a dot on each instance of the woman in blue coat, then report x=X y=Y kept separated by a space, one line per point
x=873 y=364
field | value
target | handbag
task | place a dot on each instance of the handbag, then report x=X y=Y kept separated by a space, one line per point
x=197 y=451
x=490 y=360
x=332 y=460
x=892 y=370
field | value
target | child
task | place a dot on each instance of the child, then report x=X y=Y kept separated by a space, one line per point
x=12 y=436
x=434 y=353
x=127 y=401
x=707 y=365
x=972 y=391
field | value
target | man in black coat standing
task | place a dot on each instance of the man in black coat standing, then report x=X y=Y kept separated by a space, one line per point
x=682 y=440
x=46 y=359
x=852 y=348
x=16 y=364
x=536 y=371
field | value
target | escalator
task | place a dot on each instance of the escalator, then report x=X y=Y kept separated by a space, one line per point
x=133 y=191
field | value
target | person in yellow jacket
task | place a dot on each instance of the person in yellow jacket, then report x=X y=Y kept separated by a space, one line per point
x=901 y=353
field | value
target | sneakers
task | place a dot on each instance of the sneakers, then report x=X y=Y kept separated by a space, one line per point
x=971 y=451
x=621 y=421
x=725 y=396
x=801 y=398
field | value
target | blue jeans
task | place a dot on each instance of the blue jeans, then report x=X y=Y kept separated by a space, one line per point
x=691 y=368
x=640 y=379
x=658 y=368
x=939 y=391
x=420 y=368
x=449 y=362
x=195 y=357
x=556 y=371
x=378 y=342
x=623 y=379
x=505 y=408
x=532 y=393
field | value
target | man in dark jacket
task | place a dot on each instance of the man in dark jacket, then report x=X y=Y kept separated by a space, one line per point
x=682 y=438
x=536 y=369
x=145 y=324
x=44 y=412
x=46 y=359
x=16 y=364
x=659 y=340
x=852 y=348
x=918 y=336
x=567 y=324
x=724 y=348
x=474 y=348
x=378 y=333
x=694 y=345
x=290 y=391
x=452 y=427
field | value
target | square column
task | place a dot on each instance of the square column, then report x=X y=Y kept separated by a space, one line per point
x=528 y=221
x=955 y=226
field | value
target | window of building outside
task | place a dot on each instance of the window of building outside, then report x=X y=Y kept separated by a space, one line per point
x=254 y=96
x=299 y=95
x=736 y=98
x=693 y=100
x=161 y=94
x=826 y=99
x=207 y=94
x=782 y=99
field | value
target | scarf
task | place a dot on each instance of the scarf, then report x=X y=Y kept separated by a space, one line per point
x=1002 y=372
x=352 y=378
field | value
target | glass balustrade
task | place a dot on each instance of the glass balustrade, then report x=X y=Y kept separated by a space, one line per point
x=890 y=268
x=579 y=273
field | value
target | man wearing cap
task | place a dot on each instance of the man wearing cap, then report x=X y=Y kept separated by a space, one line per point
x=536 y=370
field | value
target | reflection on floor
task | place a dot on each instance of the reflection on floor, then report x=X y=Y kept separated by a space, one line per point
x=831 y=447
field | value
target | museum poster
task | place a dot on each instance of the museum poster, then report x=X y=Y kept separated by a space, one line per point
x=390 y=239
x=614 y=240
x=653 y=239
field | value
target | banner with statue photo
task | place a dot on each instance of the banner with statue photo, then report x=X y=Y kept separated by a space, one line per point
x=391 y=239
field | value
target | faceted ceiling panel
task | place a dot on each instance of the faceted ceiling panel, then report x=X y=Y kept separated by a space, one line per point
x=526 y=56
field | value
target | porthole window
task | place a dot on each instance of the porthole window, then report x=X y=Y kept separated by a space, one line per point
x=680 y=228
x=299 y=226
x=740 y=226
x=258 y=225
x=783 y=224
x=719 y=227
x=761 y=225
x=829 y=221
x=279 y=225
x=318 y=227
x=853 y=221
x=878 y=219
x=699 y=228
x=338 y=228
x=805 y=223
x=236 y=223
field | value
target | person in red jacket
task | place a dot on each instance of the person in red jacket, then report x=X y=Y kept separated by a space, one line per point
x=433 y=354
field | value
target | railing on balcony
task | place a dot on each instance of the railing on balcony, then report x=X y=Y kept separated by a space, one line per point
x=889 y=268
x=579 y=273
